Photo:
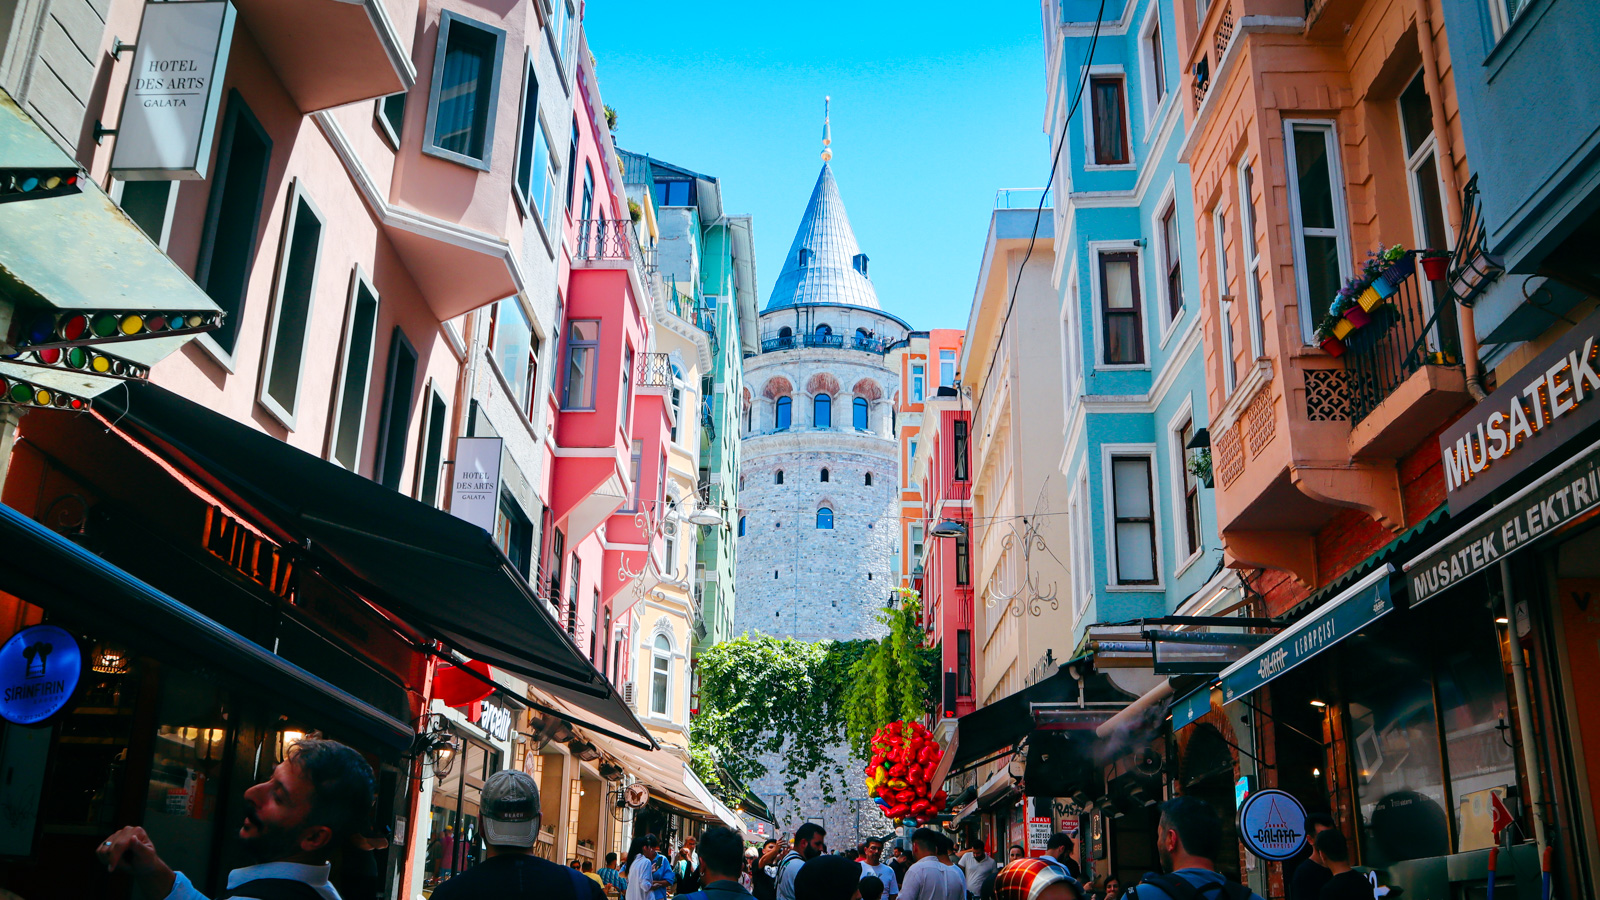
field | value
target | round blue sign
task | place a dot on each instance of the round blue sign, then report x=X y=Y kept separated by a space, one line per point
x=1272 y=824
x=39 y=669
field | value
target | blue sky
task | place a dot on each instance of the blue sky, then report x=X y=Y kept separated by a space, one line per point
x=934 y=108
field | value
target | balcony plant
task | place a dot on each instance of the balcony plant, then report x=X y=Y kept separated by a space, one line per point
x=1333 y=345
x=1435 y=263
x=1200 y=465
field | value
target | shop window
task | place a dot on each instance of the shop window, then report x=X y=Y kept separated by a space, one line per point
x=350 y=405
x=1108 y=121
x=963 y=663
x=958 y=449
x=455 y=837
x=430 y=456
x=822 y=411
x=400 y=383
x=465 y=91
x=583 y=346
x=1316 y=215
x=1121 y=314
x=1134 y=520
x=233 y=218
x=781 y=414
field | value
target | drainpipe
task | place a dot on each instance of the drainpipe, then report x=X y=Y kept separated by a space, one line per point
x=1519 y=674
x=1441 y=136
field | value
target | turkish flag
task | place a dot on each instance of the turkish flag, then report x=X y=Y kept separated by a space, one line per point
x=1502 y=815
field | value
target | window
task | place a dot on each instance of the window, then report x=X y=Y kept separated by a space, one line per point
x=825 y=518
x=1191 y=488
x=805 y=257
x=675 y=193
x=430 y=456
x=633 y=476
x=1219 y=258
x=1108 y=122
x=627 y=387
x=586 y=208
x=233 y=217
x=572 y=166
x=958 y=448
x=395 y=417
x=392 y=115
x=660 y=667
x=916 y=384
x=868 y=482
x=350 y=403
x=594 y=631
x=1316 y=212
x=1252 y=258
x=963 y=663
x=669 y=547
x=465 y=92
x=1134 y=520
x=1082 y=569
x=1120 y=313
x=963 y=560
x=1155 y=70
x=824 y=474
x=859 y=413
x=149 y=204
x=780 y=414
x=777 y=477
x=510 y=342
x=513 y=532
x=1422 y=167
x=677 y=412
x=535 y=182
x=558 y=29
x=822 y=411
x=291 y=313
x=916 y=544
x=947 y=368
x=859 y=261
x=1503 y=13
x=741 y=526
x=558 y=549
x=573 y=584
x=1172 y=250
x=583 y=345
x=824 y=331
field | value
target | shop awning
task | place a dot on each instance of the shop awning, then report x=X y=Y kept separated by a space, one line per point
x=81 y=252
x=442 y=575
x=1347 y=613
x=75 y=586
x=1566 y=494
x=1003 y=723
x=1191 y=706
x=670 y=781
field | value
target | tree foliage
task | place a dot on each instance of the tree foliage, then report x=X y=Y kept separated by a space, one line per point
x=894 y=678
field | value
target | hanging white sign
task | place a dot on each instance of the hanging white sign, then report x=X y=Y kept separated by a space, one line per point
x=169 y=113
x=475 y=485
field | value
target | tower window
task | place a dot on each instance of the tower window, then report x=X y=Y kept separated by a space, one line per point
x=822 y=412
x=805 y=256
x=778 y=477
x=781 y=414
x=825 y=518
x=824 y=473
x=860 y=262
x=859 y=412
x=741 y=526
x=869 y=479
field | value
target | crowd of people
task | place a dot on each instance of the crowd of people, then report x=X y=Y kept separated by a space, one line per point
x=317 y=799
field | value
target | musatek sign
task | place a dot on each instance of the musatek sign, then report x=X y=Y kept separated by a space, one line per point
x=1547 y=402
x=169 y=112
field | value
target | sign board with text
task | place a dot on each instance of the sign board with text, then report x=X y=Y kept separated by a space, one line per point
x=1039 y=830
x=1272 y=824
x=1546 y=403
x=475 y=481
x=39 y=670
x=169 y=112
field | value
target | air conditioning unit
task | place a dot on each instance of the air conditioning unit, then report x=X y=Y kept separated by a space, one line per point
x=627 y=695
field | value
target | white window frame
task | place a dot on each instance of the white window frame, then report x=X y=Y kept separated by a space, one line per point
x=1341 y=213
x=117 y=186
x=919 y=384
x=1087 y=114
x=1095 y=249
x=1108 y=452
x=1169 y=321
x=1251 y=252
x=1502 y=18
x=390 y=130
x=655 y=654
x=1219 y=267
x=1152 y=66
x=947 y=357
x=358 y=282
x=1428 y=148
x=1083 y=574
x=1179 y=485
x=291 y=219
x=1071 y=349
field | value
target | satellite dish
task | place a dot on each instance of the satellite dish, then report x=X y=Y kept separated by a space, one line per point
x=635 y=795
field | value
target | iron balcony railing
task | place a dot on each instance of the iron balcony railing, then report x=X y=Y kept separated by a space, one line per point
x=616 y=239
x=775 y=342
x=1023 y=198
x=1415 y=327
x=655 y=370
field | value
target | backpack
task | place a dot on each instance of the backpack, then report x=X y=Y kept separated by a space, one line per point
x=1180 y=889
x=689 y=882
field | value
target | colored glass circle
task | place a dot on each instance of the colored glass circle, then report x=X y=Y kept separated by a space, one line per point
x=21 y=393
x=196 y=320
x=77 y=403
x=77 y=357
x=29 y=183
x=74 y=327
x=132 y=323
x=104 y=325
x=101 y=364
x=41 y=328
x=49 y=356
x=41 y=397
x=156 y=323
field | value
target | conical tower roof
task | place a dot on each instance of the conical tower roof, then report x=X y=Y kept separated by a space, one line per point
x=830 y=273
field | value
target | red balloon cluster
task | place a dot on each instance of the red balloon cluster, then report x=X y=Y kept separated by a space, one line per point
x=904 y=759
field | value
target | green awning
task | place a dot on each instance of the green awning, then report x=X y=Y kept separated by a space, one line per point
x=1191 y=706
x=1352 y=610
x=81 y=252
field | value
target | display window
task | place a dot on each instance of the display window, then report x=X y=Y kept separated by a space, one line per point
x=455 y=838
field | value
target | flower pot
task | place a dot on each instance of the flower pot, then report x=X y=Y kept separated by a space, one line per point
x=1333 y=346
x=1357 y=317
x=1384 y=286
x=1342 y=329
x=1404 y=268
x=1369 y=298
x=1435 y=267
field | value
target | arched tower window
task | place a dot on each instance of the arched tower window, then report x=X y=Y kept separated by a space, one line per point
x=741 y=526
x=781 y=414
x=869 y=479
x=824 y=330
x=778 y=477
x=859 y=411
x=822 y=411
x=660 y=669
x=824 y=473
x=825 y=518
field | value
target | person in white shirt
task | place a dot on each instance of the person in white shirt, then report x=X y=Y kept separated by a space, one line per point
x=928 y=878
x=872 y=864
x=980 y=869
x=808 y=842
x=320 y=781
x=641 y=872
x=957 y=878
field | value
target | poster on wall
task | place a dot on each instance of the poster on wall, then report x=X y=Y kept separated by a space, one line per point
x=169 y=112
x=1039 y=830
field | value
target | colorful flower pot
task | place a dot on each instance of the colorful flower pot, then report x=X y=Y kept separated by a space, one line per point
x=1333 y=346
x=1342 y=329
x=1357 y=317
x=1369 y=298
x=1384 y=286
x=1403 y=268
x=1435 y=267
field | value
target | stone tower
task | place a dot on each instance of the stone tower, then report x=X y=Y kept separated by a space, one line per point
x=818 y=517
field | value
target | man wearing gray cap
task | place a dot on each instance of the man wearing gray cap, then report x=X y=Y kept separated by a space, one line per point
x=509 y=808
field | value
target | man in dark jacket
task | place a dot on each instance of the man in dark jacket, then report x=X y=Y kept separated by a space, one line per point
x=510 y=811
x=721 y=861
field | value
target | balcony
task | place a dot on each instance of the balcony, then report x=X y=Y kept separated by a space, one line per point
x=614 y=244
x=1023 y=198
x=1216 y=34
x=773 y=343
x=654 y=370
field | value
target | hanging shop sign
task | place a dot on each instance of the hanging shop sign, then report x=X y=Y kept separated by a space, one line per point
x=39 y=670
x=1563 y=495
x=495 y=721
x=475 y=488
x=1272 y=824
x=1191 y=706
x=1349 y=612
x=1536 y=411
x=169 y=113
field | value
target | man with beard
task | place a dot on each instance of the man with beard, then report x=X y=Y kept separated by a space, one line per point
x=315 y=800
x=809 y=839
x=1188 y=841
x=509 y=810
x=872 y=866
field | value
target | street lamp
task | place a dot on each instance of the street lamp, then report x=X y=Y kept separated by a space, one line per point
x=949 y=528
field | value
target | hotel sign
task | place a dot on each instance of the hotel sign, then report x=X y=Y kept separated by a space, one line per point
x=1547 y=402
x=475 y=484
x=169 y=112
